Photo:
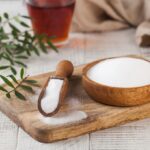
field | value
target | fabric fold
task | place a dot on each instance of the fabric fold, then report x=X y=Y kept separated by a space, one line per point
x=106 y=15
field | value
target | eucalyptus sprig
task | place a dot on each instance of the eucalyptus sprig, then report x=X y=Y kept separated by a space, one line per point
x=18 y=45
x=14 y=85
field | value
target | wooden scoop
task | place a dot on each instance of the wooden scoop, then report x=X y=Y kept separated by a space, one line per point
x=64 y=70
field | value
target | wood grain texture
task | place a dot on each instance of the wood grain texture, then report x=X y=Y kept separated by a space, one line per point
x=100 y=116
x=64 y=69
x=132 y=136
x=25 y=142
x=8 y=133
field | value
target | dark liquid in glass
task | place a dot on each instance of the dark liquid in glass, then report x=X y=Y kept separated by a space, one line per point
x=52 y=21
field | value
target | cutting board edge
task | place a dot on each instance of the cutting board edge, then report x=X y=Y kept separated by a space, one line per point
x=139 y=113
x=46 y=136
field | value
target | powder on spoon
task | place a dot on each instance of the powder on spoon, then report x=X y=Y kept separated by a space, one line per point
x=122 y=72
x=50 y=99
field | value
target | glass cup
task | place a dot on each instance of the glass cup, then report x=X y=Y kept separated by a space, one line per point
x=51 y=18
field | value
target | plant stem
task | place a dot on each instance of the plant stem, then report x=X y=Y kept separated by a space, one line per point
x=18 y=85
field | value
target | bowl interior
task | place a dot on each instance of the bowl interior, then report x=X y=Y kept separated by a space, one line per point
x=119 y=72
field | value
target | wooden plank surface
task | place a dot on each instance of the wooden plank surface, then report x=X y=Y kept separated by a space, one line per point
x=92 y=46
x=132 y=136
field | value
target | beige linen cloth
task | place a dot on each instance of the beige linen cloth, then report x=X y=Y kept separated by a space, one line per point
x=105 y=15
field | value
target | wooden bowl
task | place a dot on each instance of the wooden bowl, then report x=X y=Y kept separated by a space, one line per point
x=115 y=96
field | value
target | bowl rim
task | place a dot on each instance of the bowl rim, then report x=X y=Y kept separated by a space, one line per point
x=91 y=64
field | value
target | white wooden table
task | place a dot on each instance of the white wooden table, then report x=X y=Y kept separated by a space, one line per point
x=82 y=48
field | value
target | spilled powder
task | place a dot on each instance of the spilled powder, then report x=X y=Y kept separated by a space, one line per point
x=121 y=72
x=50 y=99
x=64 y=118
x=73 y=103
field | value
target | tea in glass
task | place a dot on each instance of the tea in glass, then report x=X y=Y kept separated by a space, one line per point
x=52 y=18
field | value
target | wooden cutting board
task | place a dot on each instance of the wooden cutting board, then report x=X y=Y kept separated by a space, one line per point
x=99 y=116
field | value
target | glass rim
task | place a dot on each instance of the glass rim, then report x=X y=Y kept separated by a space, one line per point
x=49 y=3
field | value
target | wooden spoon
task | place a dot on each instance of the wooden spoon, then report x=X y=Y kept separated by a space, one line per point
x=64 y=70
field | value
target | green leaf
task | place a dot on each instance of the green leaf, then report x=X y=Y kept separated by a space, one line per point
x=1 y=56
x=26 y=17
x=19 y=50
x=24 y=24
x=43 y=47
x=9 y=46
x=3 y=36
x=13 y=78
x=22 y=57
x=4 y=67
x=0 y=19
x=19 y=95
x=6 y=15
x=7 y=57
x=13 y=70
x=3 y=89
x=14 y=33
x=8 y=95
x=22 y=73
x=7 y=81
x=14 y=27
x=52 y=46
x=20 y=63
x=27 y=88
x=36 y=51
x=33 y=38
x=31 y=81
x=27 y=36
x=8 y=51
x=28 y=51
x=1 y=29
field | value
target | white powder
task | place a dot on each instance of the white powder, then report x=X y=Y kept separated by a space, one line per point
x=73 y=102
x=121 y=72
x=51 y=97
x=64 y=118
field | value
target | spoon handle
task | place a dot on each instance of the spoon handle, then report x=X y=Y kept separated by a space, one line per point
x=64 y=69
